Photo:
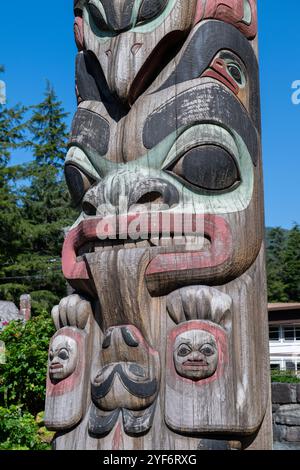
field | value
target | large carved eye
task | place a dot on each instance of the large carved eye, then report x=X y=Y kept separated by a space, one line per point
x=98 y=17
x=207 y=350
x=78 y=183
x=63 y=354
x=207 y=167
x=234 y=68
x=184 y=350
x=150 y=9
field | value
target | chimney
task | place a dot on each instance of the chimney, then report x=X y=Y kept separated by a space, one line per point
x=25 y=307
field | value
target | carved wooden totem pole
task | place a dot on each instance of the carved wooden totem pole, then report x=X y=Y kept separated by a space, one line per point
x=164 y=344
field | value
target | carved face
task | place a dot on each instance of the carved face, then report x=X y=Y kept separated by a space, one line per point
x=240 y=13
x=125 y=34
x=196 y=151
x=63 y=357
x=196 y=355
x=129 y=372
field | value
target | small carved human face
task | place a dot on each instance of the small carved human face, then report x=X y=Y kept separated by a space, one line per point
x=62 y=357
x=196 y=355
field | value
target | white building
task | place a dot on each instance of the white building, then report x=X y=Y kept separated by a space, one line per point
x=284 y=334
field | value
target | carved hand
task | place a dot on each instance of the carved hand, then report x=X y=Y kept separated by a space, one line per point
x=73 y=310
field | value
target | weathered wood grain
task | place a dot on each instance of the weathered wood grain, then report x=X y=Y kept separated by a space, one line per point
x=167 y=258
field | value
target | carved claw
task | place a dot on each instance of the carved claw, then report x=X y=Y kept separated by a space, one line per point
x=71 y=311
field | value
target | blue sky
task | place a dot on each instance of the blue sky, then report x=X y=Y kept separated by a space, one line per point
x=36 y=44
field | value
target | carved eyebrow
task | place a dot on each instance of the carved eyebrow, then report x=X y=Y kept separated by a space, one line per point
x=210 y=38
x=90 y=131
x=114 y=18
x=201 y=104
x=185 y=341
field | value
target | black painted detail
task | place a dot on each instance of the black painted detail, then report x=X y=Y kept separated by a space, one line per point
x=210 y=38
x=107 y=340
x=118 y=14
x=205 y=103
x=92 y=85
x=159 y=58
x=138 y=422
x=90 y=132
x=137 y=388
x=214 y=444
x=150 y=9
x=129 y=338
x=98 y=18
x=208 y=167
x=101 y=423
x=78 y=183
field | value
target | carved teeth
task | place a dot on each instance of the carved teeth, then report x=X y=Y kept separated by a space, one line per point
x=142 y=243
x=189 y=241
x=154 y=241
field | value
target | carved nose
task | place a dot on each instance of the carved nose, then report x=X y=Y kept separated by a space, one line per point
x=123 y=192
x=197 y=356
x=154 y=191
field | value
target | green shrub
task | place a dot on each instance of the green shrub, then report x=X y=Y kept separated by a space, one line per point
x=284 y=376
x=23 y=376
x=19 y=430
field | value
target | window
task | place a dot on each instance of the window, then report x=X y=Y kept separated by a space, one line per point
x=289 y=333
x=274 y=333
x=289 y=365
x=275 y=366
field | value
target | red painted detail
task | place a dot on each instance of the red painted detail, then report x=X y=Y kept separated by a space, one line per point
x=222 y=344
x=78 y=32
x=217 y=230
x=230 y=11
x=218 y=71
x=117 y=442
x=68 y=384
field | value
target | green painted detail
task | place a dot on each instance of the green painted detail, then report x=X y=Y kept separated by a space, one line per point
x=102 y=36
x=247 y=13
x=152 y=25
x=154 y=163
x=148 y=27
x=77 y=157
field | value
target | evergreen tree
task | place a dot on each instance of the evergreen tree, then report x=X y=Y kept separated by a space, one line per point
x=45 y=210
x=291 y=265
x=275 y=252
x=48 y=131
x=11 y=137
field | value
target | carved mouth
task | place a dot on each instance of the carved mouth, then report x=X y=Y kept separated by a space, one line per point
x=194 y=364
x=167 y=255
x=159 y=241
x=55 y=367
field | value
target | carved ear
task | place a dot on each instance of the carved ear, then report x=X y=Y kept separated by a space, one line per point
x=200 y=303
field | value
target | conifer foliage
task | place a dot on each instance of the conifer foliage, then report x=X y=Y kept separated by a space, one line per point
x=37 y=207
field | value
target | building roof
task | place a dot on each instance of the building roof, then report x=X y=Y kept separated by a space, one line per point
x=284 y=313
x=8 y=311
x=274 y=307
